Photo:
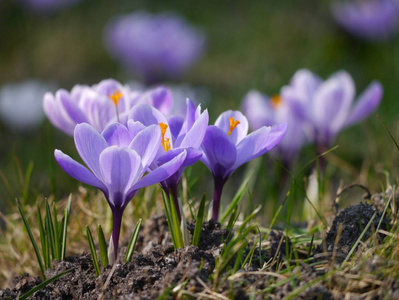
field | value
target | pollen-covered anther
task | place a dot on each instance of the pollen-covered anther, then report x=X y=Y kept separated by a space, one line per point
x=164 y=142
x=276 y=100
x=115 y=97
x=233 y=124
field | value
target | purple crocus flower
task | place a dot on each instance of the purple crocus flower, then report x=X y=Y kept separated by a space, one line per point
x=99 y=105
x=227 y=146
x=155 y=46
x=116 y=161
x=327 y=107
x=264 y=111
x=374 y=20
x=178 y=135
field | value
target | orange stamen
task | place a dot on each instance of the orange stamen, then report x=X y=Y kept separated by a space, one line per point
x=115 y=97
x=276 y=101
x=233 y=125
x=164 y=142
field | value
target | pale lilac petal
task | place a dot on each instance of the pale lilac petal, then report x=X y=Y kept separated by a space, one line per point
x=52 y=112
x=305 y=84
x=119 y=168
x=175 y=125
x=219 y=151
x=77 y=171
x=90 y=144
x=196 y=133
x=241 y=130
x=161 y=173
x=147 y=144
x=134 y=128
x=147 y=115
x=332 y=102
x=71 y=107
x=117 y=134
x=367 y=102
x=258 y=143
x=257 y=109
x=161 y=98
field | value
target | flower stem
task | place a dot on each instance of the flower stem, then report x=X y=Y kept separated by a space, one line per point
x=219 y=184
x=116 y=228
x=173 y=192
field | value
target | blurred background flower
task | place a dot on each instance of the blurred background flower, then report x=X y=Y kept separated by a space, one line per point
x=21 y=104
x=156 y=47
x=375 y=20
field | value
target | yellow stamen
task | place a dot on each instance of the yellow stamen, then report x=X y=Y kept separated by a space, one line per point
x=115 y=97
x=164 y=142
x=276 y=101
x=233 y=125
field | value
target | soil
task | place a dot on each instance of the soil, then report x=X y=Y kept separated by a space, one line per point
x=158 y=270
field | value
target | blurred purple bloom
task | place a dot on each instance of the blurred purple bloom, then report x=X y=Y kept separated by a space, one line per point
x=116 y=161
x=156 y=47
x=99 y=105
x=327 y=107
x=368 y=19
x=178 y=135
x=47 y=6
x=264 y=111
x=227 y=146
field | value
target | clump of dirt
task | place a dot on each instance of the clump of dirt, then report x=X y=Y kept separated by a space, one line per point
x=157 y=269
x=347 y=228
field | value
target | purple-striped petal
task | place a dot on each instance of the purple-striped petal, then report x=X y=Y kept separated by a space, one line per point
x=332 y=102
x=161 y=173
x=57 y=115
x=90 y=144
x=219 y=151
x=134 y=128
x=78 y=171
x=147 y=143
x=160 y=97
x=196 y=133
x=119 y=167
x=117 y=134
x=71 y=107
x=240 y=131
x=175 y=125
x=258 y=143
x=367 y=102
x=257 y=109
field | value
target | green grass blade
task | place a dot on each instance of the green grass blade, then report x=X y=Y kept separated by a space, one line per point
x=169 y=219
x=102 y=245
x=199 y=221
x=237 y=197
x=43 y=238
x=50 y=229
x=176 y=224
x=65 y=227
x=387 y=130
x=28 y=175
x=31 y=239
x=43 y=284
x=132 y=242
x=92 y=250
x=56 y=233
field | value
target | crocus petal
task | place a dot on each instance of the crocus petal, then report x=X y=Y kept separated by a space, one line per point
x=119 y=168
x=196 y=133
x=332 y=102
x=190 y=117
x=77 y=171
x=160 y=174
x=52 y=112
x=134 y=128
x=71 y=108
x=240 y=131
x=367 y=102
x=90 y=144
x=117 y=134
x=305 y=84
x=257 y=109
x=147 y=115
x=175 y=125
x=147 y=143
x=219 y=151
x=258 y=143
x=160 y=97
